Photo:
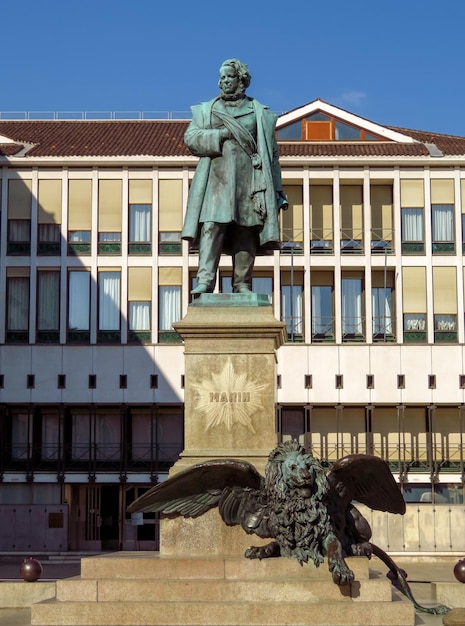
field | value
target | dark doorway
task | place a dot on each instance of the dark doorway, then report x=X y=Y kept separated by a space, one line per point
x=109 y=530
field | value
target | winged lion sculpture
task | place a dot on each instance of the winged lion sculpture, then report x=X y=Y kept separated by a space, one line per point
x=306 y=510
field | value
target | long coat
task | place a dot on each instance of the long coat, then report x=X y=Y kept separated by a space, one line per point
x=203 y=139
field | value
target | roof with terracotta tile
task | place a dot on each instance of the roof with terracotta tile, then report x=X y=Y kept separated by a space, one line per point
x=164 y=138
x=60 y=138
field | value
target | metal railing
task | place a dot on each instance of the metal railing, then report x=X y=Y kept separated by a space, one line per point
x=95 y=115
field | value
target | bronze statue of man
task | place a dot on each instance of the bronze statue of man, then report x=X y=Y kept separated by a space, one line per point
x=236 y=192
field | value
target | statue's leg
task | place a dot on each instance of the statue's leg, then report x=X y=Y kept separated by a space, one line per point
x=268 y=551
x=211 y=244
x=244 y=250
x=341 y=573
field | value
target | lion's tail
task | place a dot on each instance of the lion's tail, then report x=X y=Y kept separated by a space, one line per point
x=398 y=578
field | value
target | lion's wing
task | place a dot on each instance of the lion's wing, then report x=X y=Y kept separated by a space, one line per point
x=195 y=490
x=368 y=480
x=245 y=507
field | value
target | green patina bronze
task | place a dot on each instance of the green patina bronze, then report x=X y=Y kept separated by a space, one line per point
x=236 y=192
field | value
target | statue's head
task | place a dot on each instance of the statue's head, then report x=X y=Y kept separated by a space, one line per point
x=234 y=78
x=290 y=467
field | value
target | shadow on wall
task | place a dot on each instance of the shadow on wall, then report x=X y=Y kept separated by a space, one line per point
x=86 y=397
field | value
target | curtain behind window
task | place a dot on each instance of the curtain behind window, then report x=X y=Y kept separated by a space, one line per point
x=170 y=306
x=382 y=310
x=48 y=314
x=139 y=222
x=412 y=224
x=109 y=300
x=352 y=306
x=291 y=299
x=79 y=300
x=443 y=222
x=18 y=303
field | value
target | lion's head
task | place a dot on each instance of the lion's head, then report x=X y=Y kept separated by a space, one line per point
x=289 y=467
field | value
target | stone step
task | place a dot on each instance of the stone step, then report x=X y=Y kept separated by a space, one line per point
x=286 y=590
x=150 y=565
x=182 y=613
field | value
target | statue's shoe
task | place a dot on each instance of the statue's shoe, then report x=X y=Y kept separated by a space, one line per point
x=201 y=288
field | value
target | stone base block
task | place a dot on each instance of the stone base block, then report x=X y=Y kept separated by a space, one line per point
x=23 y=594
x=221 y=614
x=449 y=593
x=142 y=588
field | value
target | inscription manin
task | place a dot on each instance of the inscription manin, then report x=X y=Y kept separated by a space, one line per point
x=228 y=399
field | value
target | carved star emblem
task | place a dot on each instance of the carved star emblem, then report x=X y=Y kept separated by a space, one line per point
x=229 y=399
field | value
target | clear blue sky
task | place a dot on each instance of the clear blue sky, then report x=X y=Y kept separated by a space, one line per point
x=399 y=63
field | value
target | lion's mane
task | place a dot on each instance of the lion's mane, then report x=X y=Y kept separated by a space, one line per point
x=299 y=523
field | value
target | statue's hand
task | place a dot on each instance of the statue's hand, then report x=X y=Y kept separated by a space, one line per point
x=224 y=134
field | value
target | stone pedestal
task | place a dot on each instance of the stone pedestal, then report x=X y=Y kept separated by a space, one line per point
x=141 y=589
x=229 y=402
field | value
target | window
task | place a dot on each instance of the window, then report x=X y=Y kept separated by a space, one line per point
x=79 y=217
x=351 y=218
x=96 y=435
x=412 y=225
x=169 y=302
x=170 y=242
x=322 y=313
x=412 y=200
x=442 y=215
x=109 y=217
x=157 y=436
x=170 y=198
x=319 y=126
x=17 y=329
x=139 y=316
x=382 y=312
x=292 y=424
x=19 y=231
x=292 y=311
x=321 y=219
x=19 y=217
x=79 y=236
x=48 y=305
x=109 y=306
x=79 y=306
x=107 y=436
x=140 y=216
x=443 y=228
x=139 y=299
x=140 y=223
x=445 y=304
x=80 y=436
x=414 y=302
x=52 y=437
x=169 y=309
x=415 y=323
x=381 y=199
x=352 y=307
x=291 y=221
x=49 y=217
x=21 y=436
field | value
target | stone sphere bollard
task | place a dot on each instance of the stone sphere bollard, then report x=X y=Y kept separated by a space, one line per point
x=459 y=571
x=30 y=570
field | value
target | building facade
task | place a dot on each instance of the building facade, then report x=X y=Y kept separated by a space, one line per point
x=93 y=273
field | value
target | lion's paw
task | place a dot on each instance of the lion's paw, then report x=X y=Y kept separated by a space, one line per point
x=342 y=574
x=362 y=549
x=263 y=552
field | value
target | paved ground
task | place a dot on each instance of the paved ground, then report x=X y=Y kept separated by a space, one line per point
x=421 y=572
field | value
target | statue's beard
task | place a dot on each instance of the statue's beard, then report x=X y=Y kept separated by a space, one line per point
x=238 y=95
